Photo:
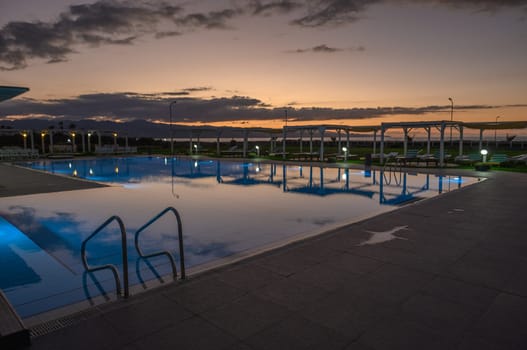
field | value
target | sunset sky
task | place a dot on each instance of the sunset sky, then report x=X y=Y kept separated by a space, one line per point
x=242 y=62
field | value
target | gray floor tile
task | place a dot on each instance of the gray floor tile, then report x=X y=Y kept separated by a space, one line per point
x=246 y=316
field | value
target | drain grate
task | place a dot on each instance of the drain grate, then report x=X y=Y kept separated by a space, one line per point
x=55 y=325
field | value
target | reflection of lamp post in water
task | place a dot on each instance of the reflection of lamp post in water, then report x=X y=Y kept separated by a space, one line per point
x=451 y=116
x=495 y=130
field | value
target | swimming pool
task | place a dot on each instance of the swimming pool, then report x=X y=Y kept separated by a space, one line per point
x=229 y=209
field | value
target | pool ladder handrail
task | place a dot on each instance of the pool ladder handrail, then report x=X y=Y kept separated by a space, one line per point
x=165 y=252
x=111 y=267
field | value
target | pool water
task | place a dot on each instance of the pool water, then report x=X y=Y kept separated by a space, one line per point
x=228 y=209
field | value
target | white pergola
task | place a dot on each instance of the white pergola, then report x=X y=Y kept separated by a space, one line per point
x=427 y=126
x=321 y=129
x=218 y=132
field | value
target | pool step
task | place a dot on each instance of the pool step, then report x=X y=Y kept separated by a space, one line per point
x=13 y=334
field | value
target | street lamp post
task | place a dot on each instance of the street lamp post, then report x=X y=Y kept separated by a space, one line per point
x=73 y=147
x=171 y=133
x=42 y=135
x=495 y=132
x=451 y=116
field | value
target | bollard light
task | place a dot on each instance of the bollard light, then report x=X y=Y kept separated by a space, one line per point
x=484 y=153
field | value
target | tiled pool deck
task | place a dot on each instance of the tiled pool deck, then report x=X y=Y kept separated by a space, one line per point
x=458 y=281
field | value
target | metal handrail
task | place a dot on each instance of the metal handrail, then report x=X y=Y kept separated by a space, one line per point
x=111 y=267
x=165 y=252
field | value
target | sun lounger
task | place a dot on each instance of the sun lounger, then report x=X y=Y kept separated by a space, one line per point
x=411 y=155
x=499 y=158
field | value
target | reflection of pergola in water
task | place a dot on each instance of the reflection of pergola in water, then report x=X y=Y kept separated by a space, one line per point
x=390 y=184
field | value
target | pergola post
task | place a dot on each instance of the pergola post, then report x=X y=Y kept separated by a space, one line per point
x=321 y=131
x=89 y=141
x=461 y=140
x=190 y=143
x=50 y=141
x=245 y=142
x=405 y=142
x=284 y=136
x=301 y=135
x=442 y=145
x=83 y=135
x=374 y=141
x=99 y=135
x=339 y=144
x=218 y=143
x=348 y=139
x=32 y=140
x=381 y=156
x=126 y=143
x=428 y=132
x=480 y=139
x=310 y=142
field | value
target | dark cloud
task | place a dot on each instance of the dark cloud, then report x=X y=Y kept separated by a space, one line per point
x=161 y=35
x=258 y=7
x=130 y=106
x=199 y=89
x=327 y=49
x=121 y=22
x=335 y=12
x=211 y=20
x=101 y=23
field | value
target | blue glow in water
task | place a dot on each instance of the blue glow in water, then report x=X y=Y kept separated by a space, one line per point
x=227 y=208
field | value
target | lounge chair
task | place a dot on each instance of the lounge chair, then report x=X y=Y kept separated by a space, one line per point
x=411 y=155
x=468 y=158
x=499 y=158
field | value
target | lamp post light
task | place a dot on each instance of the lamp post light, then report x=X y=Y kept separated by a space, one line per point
x=115 y=140
x=495 y=132
x=257 y=150
x=171 y=131
x=484 y=153
x=195 y=149
x=24 y=135
x=345 y=150
x=89 y=142
x=42 y=135
x=73 y=142
x=451 y=117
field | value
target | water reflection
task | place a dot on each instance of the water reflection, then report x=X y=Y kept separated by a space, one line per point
x=227 y=208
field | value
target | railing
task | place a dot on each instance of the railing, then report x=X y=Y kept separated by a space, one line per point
x=111 y=267
x=164 y=252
